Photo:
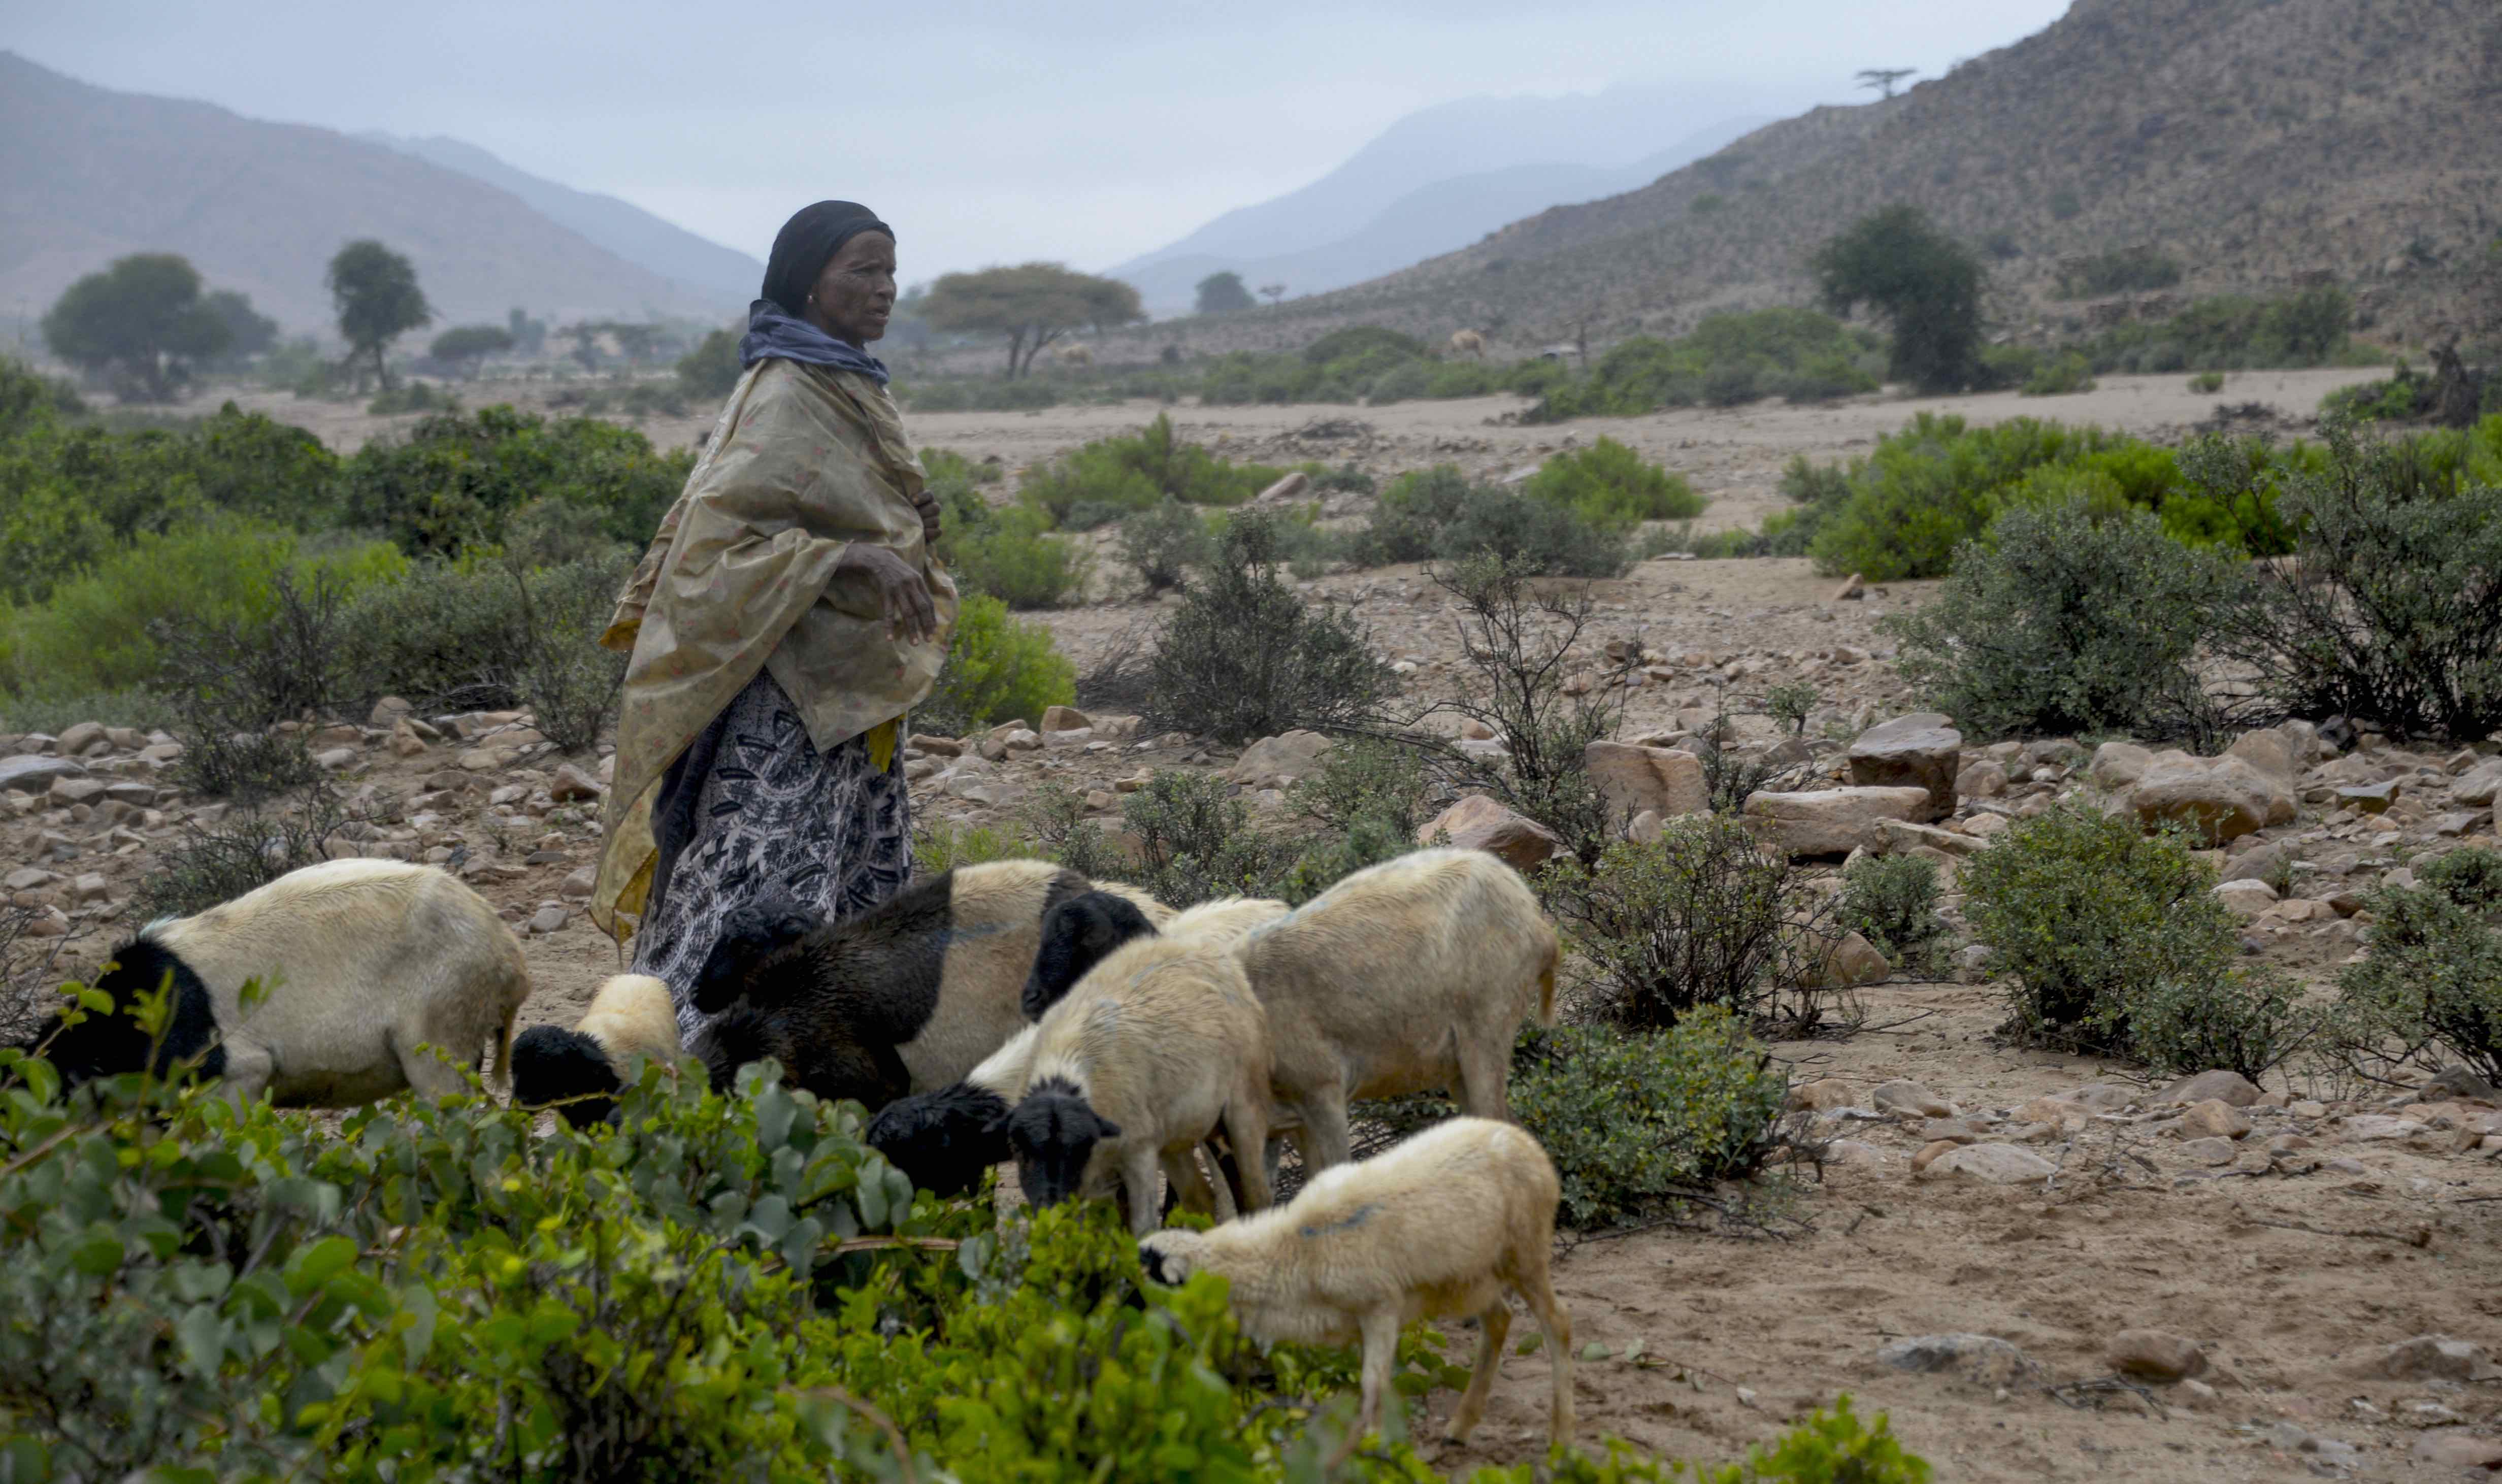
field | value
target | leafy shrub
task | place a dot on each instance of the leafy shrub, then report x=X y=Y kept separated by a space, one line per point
x=455 y=479
x=708 y=371
x=2118 y=272
x=982 y=394
x=1438 y=513
x=2429 y=989
x=2059 y=377
x=1163 y=543
x=484 y=632
x=1698 y=917
x=1114 y=476
x=567 y=679
x=413 y=396
x=1892 y=901
x=1930 y=487
x=1244 y=656
x=1729 y=358
x=1011 y=556
x=2208 y=383
x=2063 y=623
x=1792 y=704
x=2247 y=1021
x=2083 y=912
x=940 y=847
x=2233 y=333
x=997 y=668
x=1635 y=1120
x=1610 y=484
x=231 y=684
x=2407 y=395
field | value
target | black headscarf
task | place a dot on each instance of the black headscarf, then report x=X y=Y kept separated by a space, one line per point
x=801 y=248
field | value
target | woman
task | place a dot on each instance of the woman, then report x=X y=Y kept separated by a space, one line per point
x=785 y=616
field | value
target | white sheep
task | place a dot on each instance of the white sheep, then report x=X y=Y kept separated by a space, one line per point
x=581 y=1070
x=369 y=968
x=1405 y=977
x=1161 y=1044
x=1435 y=1228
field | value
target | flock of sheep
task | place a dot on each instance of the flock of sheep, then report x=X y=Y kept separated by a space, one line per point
x=1013 y=1010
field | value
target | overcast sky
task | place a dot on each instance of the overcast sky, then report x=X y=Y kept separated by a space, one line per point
x=1086 y=131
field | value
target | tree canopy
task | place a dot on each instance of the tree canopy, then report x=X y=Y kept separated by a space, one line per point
x=1032 y=304
x=249 y=332
x=1221 y=293
x=1926 y=284
x=464 y=346
x=378 y=300
x=140 y=324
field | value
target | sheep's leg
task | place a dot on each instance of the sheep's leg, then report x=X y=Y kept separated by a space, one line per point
x=249 y=1069
x=1380 y=1358
x=1139 y=1167
x=1484 y=1071
x=1246 y=1127
x=426 y=1059
x=1556 y=1324
x=1493 y=1325
x=1324 y=1137
x=1190 y=1189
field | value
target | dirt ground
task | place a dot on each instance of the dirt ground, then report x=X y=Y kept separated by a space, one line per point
x=2294 y=1273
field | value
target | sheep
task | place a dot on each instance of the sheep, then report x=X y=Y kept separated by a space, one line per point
x=1468 y=343
x=1076 y=355
x=1405 y=977
x=1078 y=933
x=1433 y=1227
x=1158 y=1046
x=905 y=997
x=369 y=968
x=943 y=1140
x=582 y=1069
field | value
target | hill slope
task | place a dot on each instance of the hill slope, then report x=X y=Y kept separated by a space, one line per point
x=2256 y=141
x=624 y=229
x=261 y=207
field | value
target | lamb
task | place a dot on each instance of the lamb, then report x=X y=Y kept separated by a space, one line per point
x=1405 y=977
x=905 y=997
x=944 y=1141
x=1082 y=931
x=581 y=1070
x=1433 y=1227
x=370 y=968
x=1155 y=1049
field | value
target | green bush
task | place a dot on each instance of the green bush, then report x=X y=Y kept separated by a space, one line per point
x=2429 y=989
x=1163 y=543
x=2249 y=1021
x=1731 y=356
x=2208 y=383
x=1111 y=477
x=1698 y=916
x=940 y=847
x=1610 y=486
x=2060 y=376
x=1011 y=556
x=708 y=371
x=2118 y=272
x=1244 y=657
x=2232 y=332
x=1930 y=487
x=2083 y=912
x=567 y=680
x=1926 y=284
x=2062 y=621
x=2407 y=395
x=413 y=396
x=997 y=668
x=1439 y=515
x=453 y=480
x=1892 y=901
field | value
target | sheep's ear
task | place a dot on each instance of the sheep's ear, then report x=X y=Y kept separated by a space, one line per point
x=995 y=1126
x=1105 y=1128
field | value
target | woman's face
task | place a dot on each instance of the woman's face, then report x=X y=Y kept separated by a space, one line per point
x=855 y=291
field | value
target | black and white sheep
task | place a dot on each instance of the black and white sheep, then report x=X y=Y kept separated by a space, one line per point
x=943 y=1140
x=376 y=976
x=907 y=997
x=1436 y=1227
x=1153 y=1050
x=581 y=1070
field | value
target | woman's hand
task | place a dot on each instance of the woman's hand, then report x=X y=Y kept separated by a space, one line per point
x=927 y=504
x=900 y=592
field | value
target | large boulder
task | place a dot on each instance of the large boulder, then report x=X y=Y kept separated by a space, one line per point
x=1922 y=751
x=1844 y=962
x=2271 y=752
x=1833 y=821
x=1478 y=822
x=2479 y=786
x=1274 y=762
x=37 y=775
x=2216 y=799
x=1635 y=779
x=2118 y=764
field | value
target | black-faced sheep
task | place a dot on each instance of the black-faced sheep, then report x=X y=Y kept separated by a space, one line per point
x=370 y=968
x=907 y=997
x=945 y=1139
x=582 y=1069
x=1405 y=977
x=1437 y=1226
x=1082 y=931
x=1153 y=1050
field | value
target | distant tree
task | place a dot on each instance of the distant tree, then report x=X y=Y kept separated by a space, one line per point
x=140 y=324
x=1273 y=292
x=1032 y=304
x=463 y=345
x=637 y=342
x=586 y=352
x=1221 y=293
x=529 y=336
x=1885 y=77
x=374 y=291
x=1926 y=284
x=711 y=368
x=249 y=333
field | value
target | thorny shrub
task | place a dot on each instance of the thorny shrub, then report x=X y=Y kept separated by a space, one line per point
x=1245 y=656
x=1892 y=901
x=1612 y=487
x=997 y=668
x=1441 y=515
x=2429 y=988
x=1164 y=543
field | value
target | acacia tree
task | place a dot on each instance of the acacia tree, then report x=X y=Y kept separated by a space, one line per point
x=1885 y=77
x=1221 y=293
x=1032 y=304
x=1926 y=284
x=140 y=324
x=249 y=332
x=464 y=346
x=374 y=291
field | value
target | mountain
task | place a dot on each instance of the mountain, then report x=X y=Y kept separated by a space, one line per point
x=628 y=230
x=2260 y=143
x=1524 y=153
x=261 y=207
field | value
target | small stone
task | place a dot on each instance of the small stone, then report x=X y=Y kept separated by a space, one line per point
x=2305 y=1107
x=580 y=884
x=1274 y=762
x=2245 y=898
x=1066 y=719
x=1645 y=827
x=2288 y=1143
x=1127 y=785
x=1842 y=964
x=2369 y=799
x=1973 y=961
x=2214 y=1118
x=1982 y=1357
x=1996 y=1165
x=1906 y=1096
x=1931 y=1153
x=548 y=920
x=128 y=739
x=336 y=758
x=78 y=737
x=1473 y=730
x=90 y=887
x=1833 y=822
x=572 y=784
x=2452 y=826
x=1101 y=800
x=29 y=878
x=938 y=747
x=404 y=740
x=1950 y=1131
x=2431 y=1357
x=66 y=792
x=477 y=760
x=2155 y=1354
x=1823 y=1094
x=1478 y=822
x=2210 y=1151
x=389 y=711
x=1635 y=779
x=2051 y=1110
x=2226 y=1086
x=1981 y=780
x=2458 y=1450
x=2376 y=1127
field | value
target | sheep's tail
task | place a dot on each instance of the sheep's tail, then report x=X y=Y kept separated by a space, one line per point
x=502 y=1077
x=1546 y=979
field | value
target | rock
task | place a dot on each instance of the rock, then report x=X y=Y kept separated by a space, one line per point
x=26 y=774
x=477 y=760
x=2210 y=1151
x=1101 y=800
x=2377 y=1128
x=1950 y=1131
x=1973 y=961
x=1273 y=762
x=1843 y=963
x=938 y=747
x=2214 y=1118
x=2218 y=798
x=1645 y=827
x=1902 y=837
x=1478 y=822
x=579 y=885
x=1006 y=729
x=28 y=878
x=2479 y=787
x=1906 y=1096
x=2155 y=1355
x=1473 y=730
x=2427 y=1357
x=76 y=739
x=90 y=887
x=1982 y=1357
x=129 y=739
x=1824 y=1095
x=1066 y=719
x=572 y=784
x=2456 y=822
x=335 y=759
x=2370 y=798
x=1982 y=780
x=2226 y=1086
x=2458 y=1449
x=2261 y=861
x=2056 y=1111
x=389 y=712
x=2118 y=764
x=66 y=792
x=404 y=740
x=1931 y=1153
x=1833 y=822
x=1986 y=826
x=1921 y=750
x=2245 y=898
x=2267 y=750
x=1996 y=1165
x=1290 y=488
x=1851 y=591
x=1635 y=779
x=548 y=919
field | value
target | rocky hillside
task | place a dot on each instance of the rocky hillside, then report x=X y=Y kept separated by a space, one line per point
x=2257 y=142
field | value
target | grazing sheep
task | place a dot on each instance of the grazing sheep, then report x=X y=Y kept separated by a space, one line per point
x=1468 y=343
x=1076 y=355
x=582 y=1069
x=370 y=968
x=943 y=1140
x=1163 y=1042
x=1082 y=931
x=1434 y=1228
x=907 y=997
x=1406 y=976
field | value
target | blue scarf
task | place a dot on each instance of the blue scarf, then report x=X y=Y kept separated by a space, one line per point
x=772 y=335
